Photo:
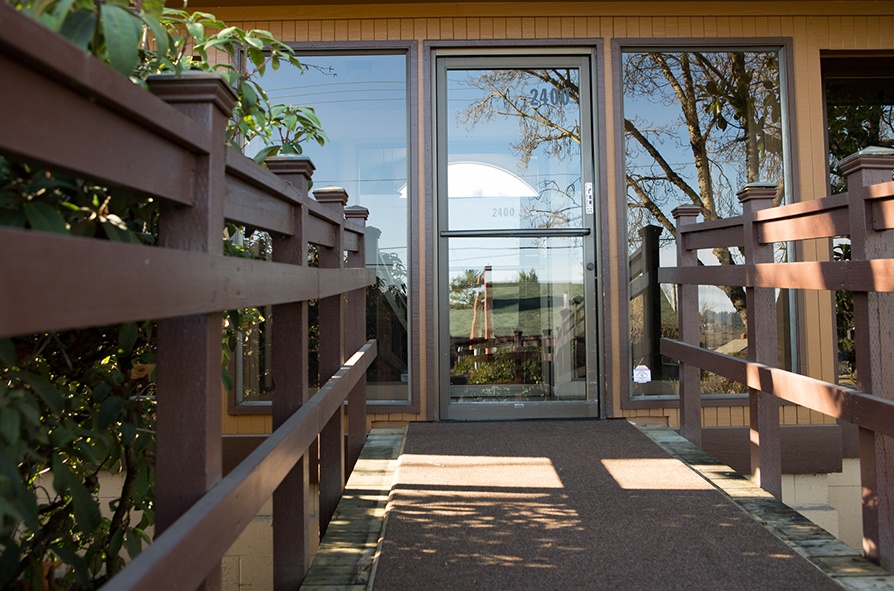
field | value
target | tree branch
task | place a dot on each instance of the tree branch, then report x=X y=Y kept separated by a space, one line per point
x=671 y=174
x=651 y=207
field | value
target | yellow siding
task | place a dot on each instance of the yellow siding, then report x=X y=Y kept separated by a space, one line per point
x=738 y=415
x=674 y=418
x=724 y=417
x=230 y=424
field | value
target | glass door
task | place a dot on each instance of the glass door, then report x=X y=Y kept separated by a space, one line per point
x=516 y=211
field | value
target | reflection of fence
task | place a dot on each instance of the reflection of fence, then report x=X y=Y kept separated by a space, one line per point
x=643 y=273
x=389 y=305
x=559 y=352
x=866 y=214
x=517 y=349
x=71 y=113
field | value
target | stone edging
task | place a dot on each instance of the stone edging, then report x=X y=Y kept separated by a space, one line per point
x=345 y=559
x=840 y=562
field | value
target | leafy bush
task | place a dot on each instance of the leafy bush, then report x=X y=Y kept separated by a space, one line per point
x=77 y=403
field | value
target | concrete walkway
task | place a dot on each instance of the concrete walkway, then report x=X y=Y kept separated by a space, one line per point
x=531 y=523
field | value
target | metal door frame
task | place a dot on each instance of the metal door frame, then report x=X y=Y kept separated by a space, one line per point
x=458 y=59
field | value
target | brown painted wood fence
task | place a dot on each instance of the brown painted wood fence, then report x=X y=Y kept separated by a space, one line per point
x=66 y=111
x=865 y=214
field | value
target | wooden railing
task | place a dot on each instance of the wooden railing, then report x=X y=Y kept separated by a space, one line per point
x=865 y=214
x=66 y=111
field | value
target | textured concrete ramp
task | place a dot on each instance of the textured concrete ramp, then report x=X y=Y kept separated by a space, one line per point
x=568 y=505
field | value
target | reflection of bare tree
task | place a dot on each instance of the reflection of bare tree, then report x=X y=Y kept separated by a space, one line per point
x=542 y=122
x=554 y=207
x=727 y=103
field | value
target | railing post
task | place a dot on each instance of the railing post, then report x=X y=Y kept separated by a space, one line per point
x=292 y=531
x=188 y=431
x=688 y=323
x=873 y=318
x=332 y=458
x=356 y=337
x=766 y=447
x=651 y=248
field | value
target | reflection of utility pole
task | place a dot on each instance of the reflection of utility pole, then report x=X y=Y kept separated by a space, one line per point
x=484 y=295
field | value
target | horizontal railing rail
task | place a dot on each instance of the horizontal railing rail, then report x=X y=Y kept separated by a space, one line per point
x=866 y=216
x=169 y=283
x=63 y=96
x=74 y=115
x=855 y=407
x=219 y=517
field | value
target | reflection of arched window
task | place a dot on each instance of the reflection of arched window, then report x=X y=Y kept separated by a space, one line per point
x=479 y=179
x=481 y=195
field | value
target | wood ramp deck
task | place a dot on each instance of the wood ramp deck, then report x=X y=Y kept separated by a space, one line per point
x=568 y=505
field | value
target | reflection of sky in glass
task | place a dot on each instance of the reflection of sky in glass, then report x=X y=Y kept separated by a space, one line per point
x=493 y=140
x=362 y=103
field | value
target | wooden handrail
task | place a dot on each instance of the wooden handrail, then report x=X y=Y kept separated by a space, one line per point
x=866 y=215
x=858 y=408
x=149 y=282
x=856 y=276
x=216 y=520
x=63 y=96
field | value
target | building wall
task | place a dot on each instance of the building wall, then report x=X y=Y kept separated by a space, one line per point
x=813 y=27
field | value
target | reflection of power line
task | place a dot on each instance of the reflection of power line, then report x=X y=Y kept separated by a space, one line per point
x=341 y=180
x=271 y=93
x=378 y=100
x=511 y=252
x=345 y=83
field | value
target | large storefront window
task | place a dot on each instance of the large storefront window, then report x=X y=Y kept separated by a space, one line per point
x=699 y=125
x=362 y=102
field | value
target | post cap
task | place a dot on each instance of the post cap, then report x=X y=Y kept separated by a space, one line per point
x=686 y=211
x=290 y=164
x=357 y=212
x=194 y=87
x=331 y=196
x=757 y=191
x=871 y=157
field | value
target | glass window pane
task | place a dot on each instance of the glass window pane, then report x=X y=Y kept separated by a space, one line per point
x=361 y=101
x=536 y=183
x=699 y=126
x=516 y=319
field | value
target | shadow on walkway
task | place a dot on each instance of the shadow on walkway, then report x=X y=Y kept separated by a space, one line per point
x=568 y=505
